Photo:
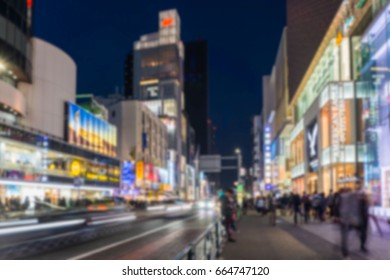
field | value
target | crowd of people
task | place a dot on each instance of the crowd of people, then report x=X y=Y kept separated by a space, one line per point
x=347 y=207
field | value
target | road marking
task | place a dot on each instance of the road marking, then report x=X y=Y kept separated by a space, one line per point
x=113 y=245
x=108 y=221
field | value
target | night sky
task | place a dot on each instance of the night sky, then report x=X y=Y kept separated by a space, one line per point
x=243 y=37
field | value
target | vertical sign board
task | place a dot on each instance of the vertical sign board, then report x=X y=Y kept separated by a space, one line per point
x=312 y=146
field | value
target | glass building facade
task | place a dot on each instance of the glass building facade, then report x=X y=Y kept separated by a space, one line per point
x=15 y=34
x=375 y=76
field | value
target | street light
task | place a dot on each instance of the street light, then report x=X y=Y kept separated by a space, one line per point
x=239 y=163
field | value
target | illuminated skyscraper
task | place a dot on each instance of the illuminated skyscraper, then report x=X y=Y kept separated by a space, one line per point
x=158 y=79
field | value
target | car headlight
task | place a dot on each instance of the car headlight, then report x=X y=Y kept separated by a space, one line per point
x=201 y=204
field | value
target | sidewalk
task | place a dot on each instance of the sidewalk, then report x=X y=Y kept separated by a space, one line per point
x=379 y=247
x=257 y=240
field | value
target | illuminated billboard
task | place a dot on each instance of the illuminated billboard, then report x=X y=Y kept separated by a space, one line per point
x=85 y=130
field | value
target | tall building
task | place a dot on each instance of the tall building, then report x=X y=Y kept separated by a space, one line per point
x=325 y=145
x=158 y=80
x=275 y=94
x=257 y=153
x=197 y=90
x=143 y=141
x=47 y=146
x=307 y=22
x=129 y=76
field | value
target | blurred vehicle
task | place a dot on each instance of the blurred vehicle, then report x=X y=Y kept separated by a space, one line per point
x=207 y=204
x=106 y=204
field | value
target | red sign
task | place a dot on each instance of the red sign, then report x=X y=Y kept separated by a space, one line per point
x=167 y=22
x=29 y=3
x=149 y=172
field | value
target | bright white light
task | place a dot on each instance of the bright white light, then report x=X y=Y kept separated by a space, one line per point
x=202 y=204
x=121 y=219
x=18 y=223
x=53 y=185
x=2 y=66
x=186 y=207
x=41 y=226
x=156 y=208
x=173 y=208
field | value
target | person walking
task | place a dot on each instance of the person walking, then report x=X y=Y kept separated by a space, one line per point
x=306 y=206
x=227 y=210
x=353 y=211
x=272 y=209
x=316 y=205
x=284 y=204
x=330 y=204
x=363 y=206
x=296 y=204
x=322 y=208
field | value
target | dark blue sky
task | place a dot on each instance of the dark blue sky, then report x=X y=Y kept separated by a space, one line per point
x=243 y=37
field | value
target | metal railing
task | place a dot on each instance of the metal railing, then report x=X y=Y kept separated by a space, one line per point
x=208 y=246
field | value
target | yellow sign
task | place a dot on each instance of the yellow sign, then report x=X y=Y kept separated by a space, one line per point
x=339 y=38
x=140 y=170
x=75 y=168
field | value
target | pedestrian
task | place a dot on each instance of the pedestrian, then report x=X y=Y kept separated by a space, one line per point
x=245 y=206
x=2 y=208
x=261 y=205
x=353 y=210
x=296 y=201
x=290 y=203
x=227 y=209
x=284 y=204
x=363 y=205
x=330 y=203
x=26 y=203
x=306 y=206
x=316 y=205
x=322 y=208
x=62 y=202
x=271 y=207
x=336 y=206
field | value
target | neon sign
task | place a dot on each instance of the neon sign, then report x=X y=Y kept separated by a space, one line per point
x=167 y=22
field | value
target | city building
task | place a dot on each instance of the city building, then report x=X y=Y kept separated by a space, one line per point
x=196 y=90
x=158 y=81
x=374 y=81
x=129 y=76
x=307 y=22
x=143 y=141
x=268 y=113
x=37 y=159
x=257 y=153
x=91 y=104
x=326 y=150
x=282 y=118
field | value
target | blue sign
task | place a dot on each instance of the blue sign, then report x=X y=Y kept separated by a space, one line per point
x=128 y=173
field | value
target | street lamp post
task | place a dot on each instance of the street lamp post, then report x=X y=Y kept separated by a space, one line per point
x=239 y=164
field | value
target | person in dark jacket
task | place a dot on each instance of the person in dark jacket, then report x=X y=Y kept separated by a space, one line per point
x=322 y=208
x=362 y=228
x=306 y=206
x=296 y=204
x=227 y=210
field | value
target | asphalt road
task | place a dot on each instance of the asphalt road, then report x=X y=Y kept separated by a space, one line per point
x=150 y=238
